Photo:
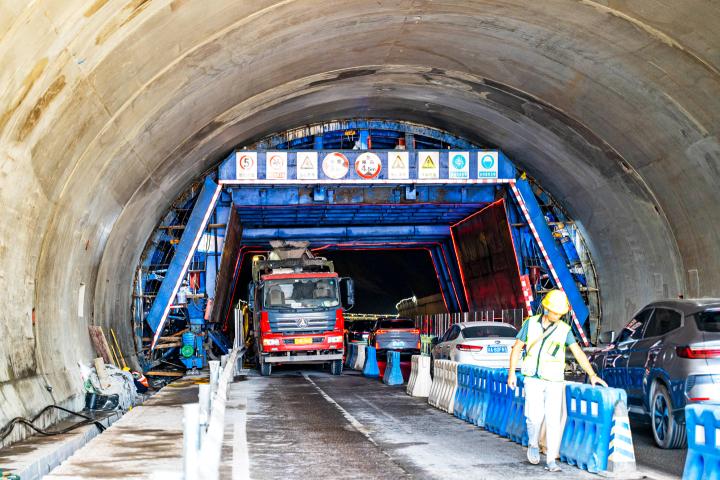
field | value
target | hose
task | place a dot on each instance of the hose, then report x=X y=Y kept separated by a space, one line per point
x=5 y=431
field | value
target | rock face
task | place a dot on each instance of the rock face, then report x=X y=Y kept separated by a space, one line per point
x=109 y=109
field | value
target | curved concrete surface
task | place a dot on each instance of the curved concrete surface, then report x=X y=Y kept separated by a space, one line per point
x=109 y=109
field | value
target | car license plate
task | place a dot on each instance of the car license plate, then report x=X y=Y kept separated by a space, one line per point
x=497 y=349
x=396 y=343
x=302 y=340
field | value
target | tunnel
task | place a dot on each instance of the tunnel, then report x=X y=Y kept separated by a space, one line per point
x=113 y=113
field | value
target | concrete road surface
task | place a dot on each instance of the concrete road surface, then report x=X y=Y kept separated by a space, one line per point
x=304 y=423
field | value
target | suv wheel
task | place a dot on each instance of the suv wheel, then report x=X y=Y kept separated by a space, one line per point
x=336 y=367
x=667 y=431
x=265 y=368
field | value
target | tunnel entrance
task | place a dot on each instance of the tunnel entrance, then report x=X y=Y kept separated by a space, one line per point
x=444 y=227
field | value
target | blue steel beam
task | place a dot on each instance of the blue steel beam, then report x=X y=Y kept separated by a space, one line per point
x=417 y=232
x=552 y=254
x=444 y=284
x=449 y=256
x=183 y=255
x=453 y=298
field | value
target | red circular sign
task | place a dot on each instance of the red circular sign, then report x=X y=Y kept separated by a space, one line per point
x=368 y=165
x=246 y=162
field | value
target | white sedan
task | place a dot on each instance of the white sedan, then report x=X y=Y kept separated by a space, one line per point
x=485 y=344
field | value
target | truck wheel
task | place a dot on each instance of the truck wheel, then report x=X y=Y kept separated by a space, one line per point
x=667 y=431
x=336 y=367
x=265 y=368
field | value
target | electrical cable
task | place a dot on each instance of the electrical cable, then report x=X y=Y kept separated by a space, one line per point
x=7 y=429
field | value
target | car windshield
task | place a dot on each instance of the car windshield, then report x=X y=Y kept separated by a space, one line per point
x=294 y=293
x=489 y=331
x=397 y=323
x=708 y=321
x=361 y=326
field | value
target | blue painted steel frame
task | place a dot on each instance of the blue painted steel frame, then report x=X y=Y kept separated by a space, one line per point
x=553 y=254
x=185 y=249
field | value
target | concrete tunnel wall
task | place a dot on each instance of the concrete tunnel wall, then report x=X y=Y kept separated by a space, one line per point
x=109 y=109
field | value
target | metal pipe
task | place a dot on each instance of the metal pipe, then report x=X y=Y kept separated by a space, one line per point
x=214 y=374
x=191 y=440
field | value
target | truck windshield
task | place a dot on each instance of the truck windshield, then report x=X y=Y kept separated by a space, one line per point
x=293 y=293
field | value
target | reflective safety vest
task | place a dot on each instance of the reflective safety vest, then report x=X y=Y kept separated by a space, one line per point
x=547 y=357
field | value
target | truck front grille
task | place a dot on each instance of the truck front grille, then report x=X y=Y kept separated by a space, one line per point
x=288 y=322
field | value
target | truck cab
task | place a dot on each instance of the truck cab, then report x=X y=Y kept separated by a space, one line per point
x=297 y=302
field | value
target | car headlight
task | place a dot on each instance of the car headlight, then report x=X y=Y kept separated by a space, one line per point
x=334 y=339
x=271 y=341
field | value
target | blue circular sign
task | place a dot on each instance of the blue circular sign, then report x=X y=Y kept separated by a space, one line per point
x=459 y=162
x=487 y=161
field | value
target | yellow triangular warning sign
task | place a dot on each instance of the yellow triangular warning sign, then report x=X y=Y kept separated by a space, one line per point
x=398 y=163
x=307 y=164
x=428 y=163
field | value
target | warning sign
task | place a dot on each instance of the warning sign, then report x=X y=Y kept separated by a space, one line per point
x=368 y=165
x=276 y=166
x=487 y=164
x=335 y=165
x=459 y=165
x=307 y=166
x=428 y=165
x=398 y=165
x=246 y=167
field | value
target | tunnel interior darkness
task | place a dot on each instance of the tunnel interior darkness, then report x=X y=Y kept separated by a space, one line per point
x=109 y=110
x=382 y=277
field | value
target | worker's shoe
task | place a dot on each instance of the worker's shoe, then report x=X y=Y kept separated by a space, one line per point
x=553 y=467
x=534 y=454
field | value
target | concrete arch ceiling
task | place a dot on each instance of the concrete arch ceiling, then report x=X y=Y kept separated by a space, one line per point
x=109 y=109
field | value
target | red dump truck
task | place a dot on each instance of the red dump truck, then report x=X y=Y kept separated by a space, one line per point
x=297 y=302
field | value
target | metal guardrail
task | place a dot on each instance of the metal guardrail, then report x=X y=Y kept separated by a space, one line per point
x=437 y=324
x=204 y=424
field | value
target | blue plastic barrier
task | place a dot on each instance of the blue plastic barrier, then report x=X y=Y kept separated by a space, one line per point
x=477 y=413
x=370 y=368
x=393 y=375
x=703 y=432
x=462 y=393
x=500 y=401
x=350 y=355
x=471 y=393
x=517 y=422
x=586 y=438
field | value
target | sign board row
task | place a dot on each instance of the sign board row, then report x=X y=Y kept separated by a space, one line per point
x=355 y=165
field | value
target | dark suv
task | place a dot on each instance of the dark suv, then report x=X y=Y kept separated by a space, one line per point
x=667 y=357
x=398 y=334
x=358 y=331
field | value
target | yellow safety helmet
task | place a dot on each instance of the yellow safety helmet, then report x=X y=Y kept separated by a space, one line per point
x=556 y=301
x=126 y=369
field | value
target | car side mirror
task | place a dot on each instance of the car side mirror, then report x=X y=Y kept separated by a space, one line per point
x=251 y=296
x=607 y=337
x=347 y=293
x=434 y=340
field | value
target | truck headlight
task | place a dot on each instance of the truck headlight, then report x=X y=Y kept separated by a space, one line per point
x=334 y=339
x=271 y=341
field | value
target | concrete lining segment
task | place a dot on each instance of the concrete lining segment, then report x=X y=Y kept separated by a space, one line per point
x=616 y=122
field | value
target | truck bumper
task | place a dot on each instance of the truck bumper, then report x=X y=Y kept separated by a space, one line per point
x=302 y=358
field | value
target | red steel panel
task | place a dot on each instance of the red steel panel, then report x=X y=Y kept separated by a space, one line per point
x=487 y=260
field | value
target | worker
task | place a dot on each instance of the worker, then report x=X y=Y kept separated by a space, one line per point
x=544 y=370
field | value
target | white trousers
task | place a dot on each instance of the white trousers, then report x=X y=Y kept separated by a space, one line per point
x=543 y=399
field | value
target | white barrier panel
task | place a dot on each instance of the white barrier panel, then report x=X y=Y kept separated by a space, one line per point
x=447 y=402
x=563 y=419
x=437 y=382
x=420 y=381
x=360 y=360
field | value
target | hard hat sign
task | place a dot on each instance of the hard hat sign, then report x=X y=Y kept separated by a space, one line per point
x=487 y=164
x=276 y=166
x=459 y=165
x=246 y=165
x=368 y=165
x=335 y=165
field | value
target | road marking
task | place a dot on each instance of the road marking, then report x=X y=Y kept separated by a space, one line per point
x=353 y=421
x=241 y=459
